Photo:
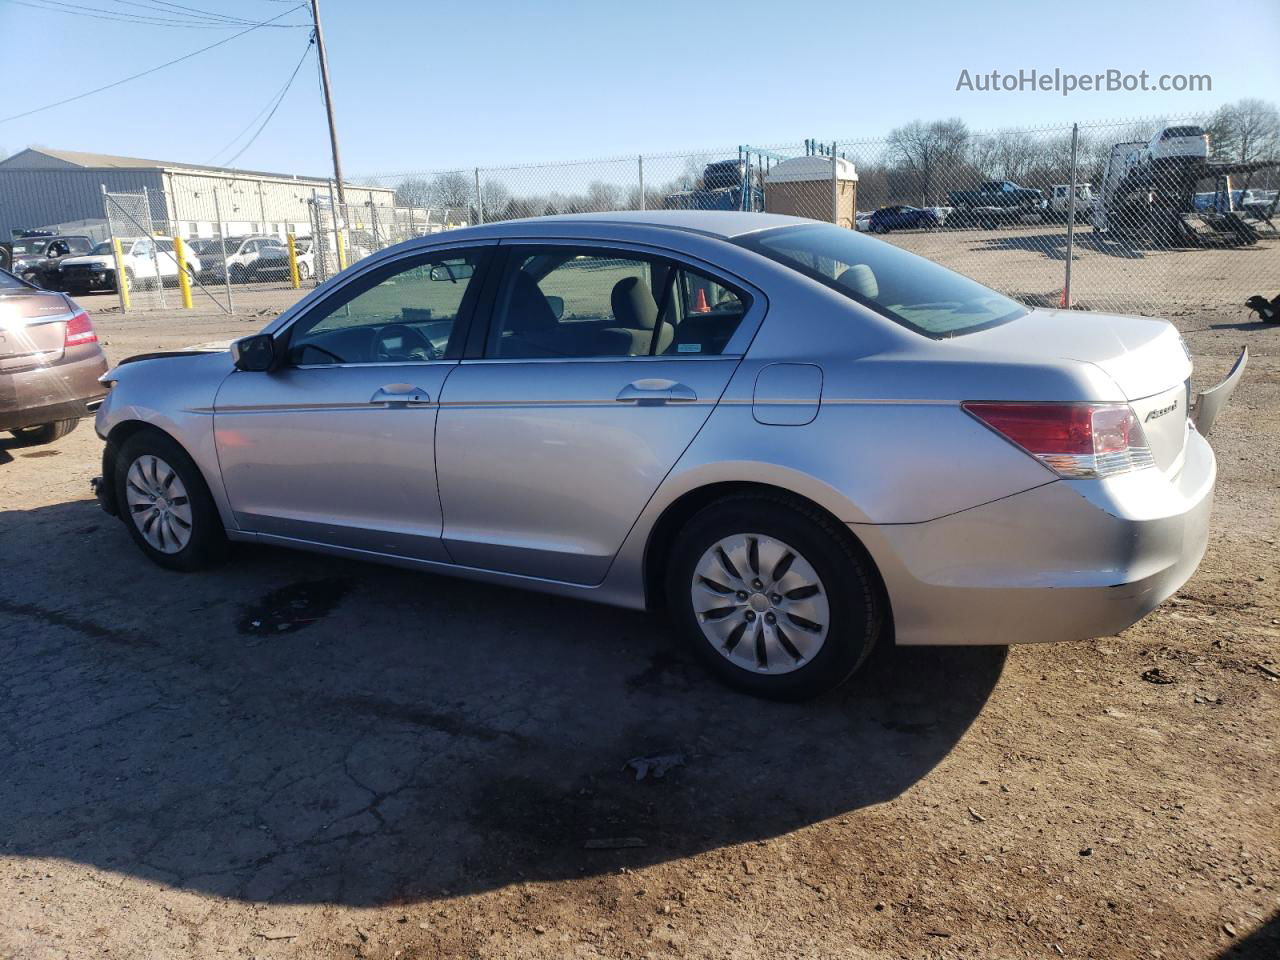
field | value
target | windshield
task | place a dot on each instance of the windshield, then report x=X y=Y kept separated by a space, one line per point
x=910 y=290
x=29 y=247
x=104 y=247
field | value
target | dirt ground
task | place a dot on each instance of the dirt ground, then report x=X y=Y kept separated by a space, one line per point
x=297 y=756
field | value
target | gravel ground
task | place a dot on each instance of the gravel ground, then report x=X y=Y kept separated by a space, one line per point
x=302 y=756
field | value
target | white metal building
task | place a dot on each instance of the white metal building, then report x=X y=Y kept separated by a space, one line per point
x=42 y=188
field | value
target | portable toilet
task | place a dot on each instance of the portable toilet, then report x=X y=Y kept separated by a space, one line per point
x=802 y=187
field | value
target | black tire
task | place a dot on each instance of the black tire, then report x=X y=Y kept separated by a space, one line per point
x=304 y=272
x=44 y=433
x=207 y=545
x=855 y=597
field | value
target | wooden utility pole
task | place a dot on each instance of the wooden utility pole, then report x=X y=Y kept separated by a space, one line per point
x=328 y=100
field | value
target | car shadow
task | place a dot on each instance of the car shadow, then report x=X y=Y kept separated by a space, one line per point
x=296 y=728
x=1262 y=944
x=1053 y=246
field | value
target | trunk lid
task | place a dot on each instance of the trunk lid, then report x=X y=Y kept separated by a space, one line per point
x=1145 y=357
x=32 y=329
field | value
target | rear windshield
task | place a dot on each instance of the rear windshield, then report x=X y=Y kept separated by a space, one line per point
x=1171 y=132
x=910 y=290
x=9 y=282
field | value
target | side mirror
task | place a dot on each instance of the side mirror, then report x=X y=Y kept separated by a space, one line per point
x=254 y=354
x=556 y=304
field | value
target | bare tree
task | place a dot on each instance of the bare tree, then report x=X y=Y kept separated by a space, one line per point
x=926 y=150
x=603 y=196
x=453 y=190
x=1246 y=130
x=414 y=192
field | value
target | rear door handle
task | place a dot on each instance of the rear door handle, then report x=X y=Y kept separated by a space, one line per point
x=400 y=395
x=651 y=392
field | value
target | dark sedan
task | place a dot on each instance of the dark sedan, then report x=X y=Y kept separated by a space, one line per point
x=902 y=217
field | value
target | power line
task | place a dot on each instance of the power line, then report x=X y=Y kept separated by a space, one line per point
x=144 y=73
x=273 y=104
x=97 y=13
x=195 y=12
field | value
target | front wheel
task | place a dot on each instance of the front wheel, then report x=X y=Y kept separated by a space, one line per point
x=775 y=597
x=166 y=505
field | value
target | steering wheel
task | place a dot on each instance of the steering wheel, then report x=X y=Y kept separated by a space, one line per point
x=413 y=345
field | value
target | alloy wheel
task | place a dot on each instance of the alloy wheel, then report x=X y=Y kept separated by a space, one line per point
x=760 y=603
x=159 y=504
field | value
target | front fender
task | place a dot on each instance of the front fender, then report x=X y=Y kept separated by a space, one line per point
x=173 y=394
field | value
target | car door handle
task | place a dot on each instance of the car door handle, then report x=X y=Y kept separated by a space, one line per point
x=400 y=394
x=650 y=392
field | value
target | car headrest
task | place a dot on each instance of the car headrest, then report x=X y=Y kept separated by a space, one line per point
x=633 y=305
x=860 y=279
x=527 y=307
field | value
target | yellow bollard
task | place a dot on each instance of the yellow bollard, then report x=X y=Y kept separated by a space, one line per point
x=184 y=279
x=342 y=251
x=293 y=261
x=122 y=278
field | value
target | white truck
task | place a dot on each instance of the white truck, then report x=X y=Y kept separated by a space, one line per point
x=147 y=263
x=1060 y=202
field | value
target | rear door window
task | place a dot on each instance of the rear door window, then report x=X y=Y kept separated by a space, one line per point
x=570 y=302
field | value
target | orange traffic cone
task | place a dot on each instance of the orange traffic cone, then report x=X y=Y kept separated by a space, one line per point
x=700 y=304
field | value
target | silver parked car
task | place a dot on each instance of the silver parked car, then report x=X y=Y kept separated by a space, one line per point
x=794 y=438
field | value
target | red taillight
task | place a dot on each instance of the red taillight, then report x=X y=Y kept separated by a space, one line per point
x=1071 y=439
x=80 y=331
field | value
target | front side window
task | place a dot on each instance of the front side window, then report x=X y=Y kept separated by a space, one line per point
x=407 y=313
x=910 y=290
x=567 y=303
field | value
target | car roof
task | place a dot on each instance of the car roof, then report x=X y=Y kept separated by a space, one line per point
x=725 y=224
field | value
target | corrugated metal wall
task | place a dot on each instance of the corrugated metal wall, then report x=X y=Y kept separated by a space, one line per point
x=30 y=199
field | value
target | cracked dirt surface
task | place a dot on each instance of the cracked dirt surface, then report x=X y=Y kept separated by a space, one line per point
x=301 y=756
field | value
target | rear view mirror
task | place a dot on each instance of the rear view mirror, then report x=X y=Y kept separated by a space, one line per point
x=556 y=304
x=452 y=271
x=254 y=354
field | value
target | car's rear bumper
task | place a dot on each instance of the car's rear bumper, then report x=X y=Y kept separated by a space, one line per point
x=1064 y=561
x=67 y=390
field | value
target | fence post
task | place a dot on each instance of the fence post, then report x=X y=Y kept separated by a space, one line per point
x=155 y=247
x=222 y=242
x=184 y=281
x=1071 y=218
x=479 y=199
x=640 y=167
x=835 y=186
x=293 y=261
x=122 y=278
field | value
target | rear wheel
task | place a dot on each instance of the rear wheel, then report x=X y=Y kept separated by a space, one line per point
x=44 y=433
x=775 y=598
x=166 y=505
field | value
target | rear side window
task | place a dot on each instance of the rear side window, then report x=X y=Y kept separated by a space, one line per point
x=910 y=290
x=566 y=302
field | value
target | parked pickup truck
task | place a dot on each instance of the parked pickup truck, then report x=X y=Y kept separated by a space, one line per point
x=995 y=193
x=1060 y=201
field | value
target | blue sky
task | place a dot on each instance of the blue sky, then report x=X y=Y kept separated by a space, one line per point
x=434 y=84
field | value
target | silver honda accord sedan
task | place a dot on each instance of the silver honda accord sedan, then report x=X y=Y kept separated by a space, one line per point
x=793 y=439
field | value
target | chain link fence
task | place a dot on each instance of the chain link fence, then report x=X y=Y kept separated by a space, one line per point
x=1154 y=216
x=1149 y=216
